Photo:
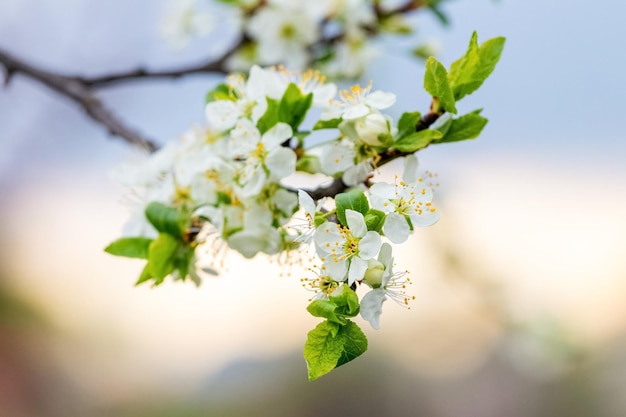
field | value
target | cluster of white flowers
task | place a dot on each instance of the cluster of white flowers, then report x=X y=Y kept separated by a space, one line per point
x=353 y=251
x=224 y=185
x=224 y=182
x=332 y=35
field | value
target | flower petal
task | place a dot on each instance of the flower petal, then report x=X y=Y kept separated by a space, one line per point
x=306 y=202
x=281 y=162
x=380 y=194
x=396 y=228
x=336 y=269
x=222 y=114
x=427 y=218
x=323 y=94
x=356 y=223
x=372 y=307
x=385 y=255
x=354 y=112
x=326 y=237
x=380 y=100
x=246 y=243
x=369 y=245
x=276 y=135
x=357 y=270
x=410 y=174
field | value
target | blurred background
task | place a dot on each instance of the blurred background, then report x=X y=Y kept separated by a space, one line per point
x=520 y=288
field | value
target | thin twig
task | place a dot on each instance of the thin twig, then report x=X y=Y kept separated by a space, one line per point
x=75 y=90
x=407 y=7
x=210 y=66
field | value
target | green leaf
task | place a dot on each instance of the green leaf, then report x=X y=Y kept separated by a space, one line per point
x=164 y=218
x=407 y=123
x=327 y=124
x=144 y=276
x=294 y=106
x=347 y=302
x=221 y=92
x=469 y=72
x=374 y=219
x=130 y=247
x=465 y=127
x=417 y=140
x=161 y=257
x=354 y=343
x=322 y=350
x=270 y=117
x=330 y=345
x=325 y=309
x=309 y=163
x=437 y=85
x=183 y=260
x=353 y=200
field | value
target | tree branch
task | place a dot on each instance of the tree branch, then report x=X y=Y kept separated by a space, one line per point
x=78 y=92
x=210 y=66
x=407 y=7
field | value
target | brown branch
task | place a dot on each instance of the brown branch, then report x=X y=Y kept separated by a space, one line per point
x=407 y=7
x=75 y=90
x=210 y=66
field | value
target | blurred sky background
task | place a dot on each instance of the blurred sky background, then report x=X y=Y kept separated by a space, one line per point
x=521 y=287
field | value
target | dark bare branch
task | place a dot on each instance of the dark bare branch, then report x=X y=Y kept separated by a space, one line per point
x=75 y=90
x=210 y=66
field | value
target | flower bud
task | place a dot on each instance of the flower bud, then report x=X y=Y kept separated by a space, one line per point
x=369 y=127
x=374 y=274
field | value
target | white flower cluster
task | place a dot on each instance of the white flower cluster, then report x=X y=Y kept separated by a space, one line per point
x=332 y=35
x=221 y=185
x=353 y=251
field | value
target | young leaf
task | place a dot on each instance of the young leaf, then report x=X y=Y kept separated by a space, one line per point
x=417 y=140
x=144 y=276
x=221 y=92
x=309 y=163
x=161 y=257
x=327 y=124
x=407 y=123
x=330 y=345
x=461 y=70
x=469 y=72
x=347 y=302
x=130 y=247
x=294 y=106
x=164 y=218
x=183 y=260
x=354 y=342
x=436 y=83
x=322 y=350
x=270 y=117
x=325 y=309
x=465 y=127
x=374 y=219
x=353 y=200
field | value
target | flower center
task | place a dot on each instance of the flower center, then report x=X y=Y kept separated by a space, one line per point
x=287 y=31
x=351 y=246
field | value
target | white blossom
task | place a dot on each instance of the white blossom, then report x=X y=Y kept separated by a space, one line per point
x=403 y=202
x=345 y=250
x=384 y=283
x=358 y=102
x=186 y=20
